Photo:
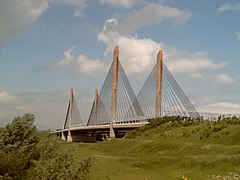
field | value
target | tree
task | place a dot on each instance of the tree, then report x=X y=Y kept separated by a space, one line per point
x=62 y=166
x=21 y=142
x=17 y=142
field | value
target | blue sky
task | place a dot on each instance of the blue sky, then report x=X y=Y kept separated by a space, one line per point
x=49 y=46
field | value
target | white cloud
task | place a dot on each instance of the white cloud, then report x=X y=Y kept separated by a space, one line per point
x=180 y=61
x=224 y=79
x=81 y=64
x=16 y=15
x=88 y=66
x=36 y=12
x=120 y=3
x=78 y=14
x=152 y=14
x=6 y=97
x=138 y=55
x=229 y=6
x=197 y=76
x=222 y=107
x=238 y=35
x=69 y=58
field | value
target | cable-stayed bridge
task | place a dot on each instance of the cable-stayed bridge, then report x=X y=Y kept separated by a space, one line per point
x=116 y=109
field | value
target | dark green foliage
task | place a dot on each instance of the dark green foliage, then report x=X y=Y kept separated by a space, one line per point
x=47 y=146
x=17 y=142
x=20 y=135
x=205 y=129
x=62 y=166
x=210 y=129
x=54 y=164
x=161 y=124
x=27 y=153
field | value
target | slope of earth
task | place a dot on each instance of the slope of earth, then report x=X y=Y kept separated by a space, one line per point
x=168 y=148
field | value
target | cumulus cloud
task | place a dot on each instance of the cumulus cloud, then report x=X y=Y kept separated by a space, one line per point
x=181 y=61
x=69 y=58
x=197 y=76
x=152 y=14
x=15 y=16
x=229 y=6
x=120 y=3
x=88 y=66
x=222 y=78
x=138 y=55
x=135 y=54
x=81 y=64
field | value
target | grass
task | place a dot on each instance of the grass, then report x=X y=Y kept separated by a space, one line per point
x=168 y=150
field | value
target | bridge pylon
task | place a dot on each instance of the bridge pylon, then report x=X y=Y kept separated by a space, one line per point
x=114 y=90
x=69 y=137
x=116 y=102
x=159 y=75
x=169 y=99
x=73 y=118
x=96 y=107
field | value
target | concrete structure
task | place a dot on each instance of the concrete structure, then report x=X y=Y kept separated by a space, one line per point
x=97 y=132
x=96 y=107
x=112 y=126
x=114 y=91
x=69 y=137
x=159 y=67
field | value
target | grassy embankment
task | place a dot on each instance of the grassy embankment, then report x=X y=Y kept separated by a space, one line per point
x=168 y=150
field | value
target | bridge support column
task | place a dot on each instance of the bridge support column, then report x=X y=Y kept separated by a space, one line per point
x=69 y=137
x=63 y=136
x=158 y=104
x=114 y=91
x=96 y=107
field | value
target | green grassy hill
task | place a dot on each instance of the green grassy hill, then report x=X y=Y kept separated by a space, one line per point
x=168 y=148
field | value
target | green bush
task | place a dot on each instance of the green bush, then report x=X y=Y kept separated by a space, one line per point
x=161 y=124
x=27 y=153
x=62 y=166
x=17 y=142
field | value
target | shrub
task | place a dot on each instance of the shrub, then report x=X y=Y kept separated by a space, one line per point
x=62 y=167
x=17 y=142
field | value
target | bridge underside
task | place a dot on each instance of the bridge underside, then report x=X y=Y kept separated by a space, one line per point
x=97 y=133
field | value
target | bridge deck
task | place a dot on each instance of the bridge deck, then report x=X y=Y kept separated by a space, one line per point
x=102 y=127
